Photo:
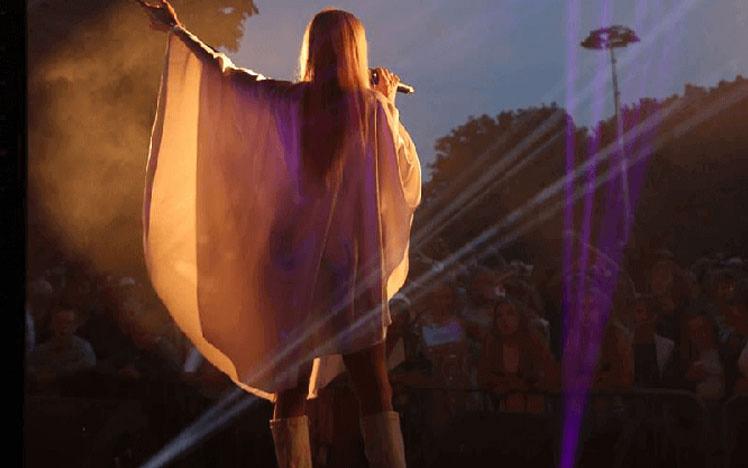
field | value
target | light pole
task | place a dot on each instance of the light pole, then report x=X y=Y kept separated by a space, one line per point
x=611 y=38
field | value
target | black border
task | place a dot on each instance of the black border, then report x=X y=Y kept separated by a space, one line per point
x=13 y=147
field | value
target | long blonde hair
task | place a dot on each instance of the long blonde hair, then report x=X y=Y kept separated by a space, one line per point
x=333 y=61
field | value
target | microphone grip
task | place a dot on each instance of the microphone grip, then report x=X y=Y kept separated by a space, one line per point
x=401 y=87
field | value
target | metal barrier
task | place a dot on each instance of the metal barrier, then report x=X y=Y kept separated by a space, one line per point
x=652 y=424
x=734 y=424
x=671 y=424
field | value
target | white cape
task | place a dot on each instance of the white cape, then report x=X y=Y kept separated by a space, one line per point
x=248 y=265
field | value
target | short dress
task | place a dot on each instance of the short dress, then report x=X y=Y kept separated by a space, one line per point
x=263 y=275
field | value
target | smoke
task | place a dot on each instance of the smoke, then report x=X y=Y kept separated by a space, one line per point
x=93 y=79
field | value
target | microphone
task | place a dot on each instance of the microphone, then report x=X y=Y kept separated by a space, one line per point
x=401 y=87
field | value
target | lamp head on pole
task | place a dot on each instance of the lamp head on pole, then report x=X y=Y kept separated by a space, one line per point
x=610 y=37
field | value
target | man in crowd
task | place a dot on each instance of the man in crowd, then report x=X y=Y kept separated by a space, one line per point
x=64 y=354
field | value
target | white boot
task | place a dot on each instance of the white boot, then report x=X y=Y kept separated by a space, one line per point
x=383 y=440
x=291 y=439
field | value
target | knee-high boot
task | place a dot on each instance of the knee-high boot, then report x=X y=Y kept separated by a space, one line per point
x=291 y=439
x=383 y=440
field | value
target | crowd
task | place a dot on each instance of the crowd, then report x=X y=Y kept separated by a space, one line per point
x=498 y=326
x=494 y=326
x=108 y=326
x=102 y=351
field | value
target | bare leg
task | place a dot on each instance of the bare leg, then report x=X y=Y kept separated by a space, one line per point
x=368 y=371
x=292 y=402
x=380 y=425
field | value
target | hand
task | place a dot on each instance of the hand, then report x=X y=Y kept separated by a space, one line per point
x=162 y=14
x=387 y=83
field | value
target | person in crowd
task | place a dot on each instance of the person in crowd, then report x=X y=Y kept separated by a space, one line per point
x=516 y=358
x=701 y=269
x=483 y=290
x=612 y=366
x=105 y=328
x=615 y=368
x=437 y=367
x=444 y=344
x=549 y=282
x=737 y=316
x=443 y=332
x=42 y=297
x=65 y=354
x=414 y=372
x=653 y=353
x=152 y=358
x=404 y=338
x=518 y=287
x=672 y=297
x=723 y=284
x=731 y=341
x=721 y=288
x=700 y=368
x=444 y=336
x=597 y=354
x=623 y=296
x=150 y=370
x=57 y=275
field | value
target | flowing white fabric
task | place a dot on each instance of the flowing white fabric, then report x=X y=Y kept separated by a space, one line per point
x=260 y=273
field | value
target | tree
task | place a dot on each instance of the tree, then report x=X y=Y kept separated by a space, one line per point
x=686 y=186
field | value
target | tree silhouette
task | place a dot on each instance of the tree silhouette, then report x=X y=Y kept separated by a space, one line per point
x=688 y=183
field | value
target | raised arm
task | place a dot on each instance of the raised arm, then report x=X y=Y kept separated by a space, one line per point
x=209 y=54
x=164 y=18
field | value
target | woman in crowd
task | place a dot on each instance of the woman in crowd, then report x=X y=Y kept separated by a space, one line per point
x=516 y=358
x=444 y=344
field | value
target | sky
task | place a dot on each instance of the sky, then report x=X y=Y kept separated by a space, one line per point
x=485 y=56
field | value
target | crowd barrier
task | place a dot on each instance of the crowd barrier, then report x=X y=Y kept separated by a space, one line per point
x=463 y=427
x=636 y=428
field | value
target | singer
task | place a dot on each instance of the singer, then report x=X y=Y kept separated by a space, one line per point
x=277 y=221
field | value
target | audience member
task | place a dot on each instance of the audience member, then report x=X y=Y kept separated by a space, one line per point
x=515 y=357
x=653 y=353
x=444 y=343
x=700 y=367
x=64 y=354
x=737 y=317
x=672 y=297
x=612 y=365
x=482 y=292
